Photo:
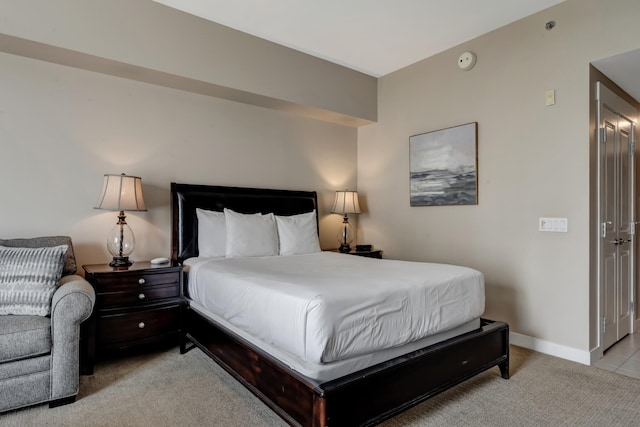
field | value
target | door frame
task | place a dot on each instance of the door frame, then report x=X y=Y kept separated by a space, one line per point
x=595 y=327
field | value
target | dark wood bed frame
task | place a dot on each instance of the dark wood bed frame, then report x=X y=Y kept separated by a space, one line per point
x=366 y=397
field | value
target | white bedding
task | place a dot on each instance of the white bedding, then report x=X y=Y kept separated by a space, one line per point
x=326 y=307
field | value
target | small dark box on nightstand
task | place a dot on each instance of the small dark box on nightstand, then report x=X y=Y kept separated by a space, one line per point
x=360 y=248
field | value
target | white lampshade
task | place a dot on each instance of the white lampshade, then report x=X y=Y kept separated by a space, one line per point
x=346 y=202
x=121 y=193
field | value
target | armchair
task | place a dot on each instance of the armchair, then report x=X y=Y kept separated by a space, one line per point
x=40 y=355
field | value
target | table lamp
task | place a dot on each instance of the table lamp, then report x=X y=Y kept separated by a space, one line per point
x=346 y=202
x=121 y=193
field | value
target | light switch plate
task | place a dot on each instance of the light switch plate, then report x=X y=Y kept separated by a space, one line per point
x=550 y=97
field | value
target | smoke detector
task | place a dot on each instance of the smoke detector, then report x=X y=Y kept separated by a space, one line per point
x=466 y=61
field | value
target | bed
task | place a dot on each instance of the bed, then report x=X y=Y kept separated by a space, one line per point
x=360 y=393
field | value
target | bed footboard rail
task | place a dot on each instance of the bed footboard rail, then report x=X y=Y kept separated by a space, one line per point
x=385 y=390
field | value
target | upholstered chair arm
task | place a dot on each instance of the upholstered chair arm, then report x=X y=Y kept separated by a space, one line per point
x=72 y=304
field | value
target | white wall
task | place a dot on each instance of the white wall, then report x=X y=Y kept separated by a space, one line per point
x=62 y=128
x=533 y=162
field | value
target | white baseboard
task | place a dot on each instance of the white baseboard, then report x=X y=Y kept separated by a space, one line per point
x=552 y=349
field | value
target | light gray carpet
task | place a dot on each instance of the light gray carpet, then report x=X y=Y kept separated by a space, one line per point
x=169 y=389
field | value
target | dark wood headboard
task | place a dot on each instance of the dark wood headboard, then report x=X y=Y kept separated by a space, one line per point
x=185 y=198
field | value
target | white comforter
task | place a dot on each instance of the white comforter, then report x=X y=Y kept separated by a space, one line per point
x=326 y=306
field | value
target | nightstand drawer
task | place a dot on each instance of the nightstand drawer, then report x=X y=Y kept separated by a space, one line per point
x=137 y=325
x=134 y=280
x=139 y=295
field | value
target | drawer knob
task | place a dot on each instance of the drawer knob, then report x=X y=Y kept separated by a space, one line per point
x=142 y=281
x=141 y=325
x=141 y=296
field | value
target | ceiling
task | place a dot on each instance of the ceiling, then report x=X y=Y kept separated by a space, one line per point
x=375 y=37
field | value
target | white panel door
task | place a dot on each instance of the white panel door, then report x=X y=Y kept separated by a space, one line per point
x=617 y=184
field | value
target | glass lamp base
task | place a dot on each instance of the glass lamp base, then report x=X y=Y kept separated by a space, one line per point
x=345 y=236
x=120 y=261
x=344 y=247
x=120 y=242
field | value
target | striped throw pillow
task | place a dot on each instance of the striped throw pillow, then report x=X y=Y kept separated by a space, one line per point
x=29 y=278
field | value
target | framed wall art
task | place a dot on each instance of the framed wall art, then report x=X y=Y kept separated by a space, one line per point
x=444 y=166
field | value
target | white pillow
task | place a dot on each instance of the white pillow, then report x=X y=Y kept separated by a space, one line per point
x=298 y=234
x=250 y=234
x=212 y=233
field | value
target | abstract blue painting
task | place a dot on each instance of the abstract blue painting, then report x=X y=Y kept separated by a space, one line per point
x=444 y=167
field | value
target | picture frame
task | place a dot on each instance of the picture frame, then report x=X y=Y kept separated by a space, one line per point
x=444 y=166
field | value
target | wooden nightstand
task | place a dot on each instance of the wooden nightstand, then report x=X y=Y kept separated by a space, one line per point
x=135 y=307
x=373 y=253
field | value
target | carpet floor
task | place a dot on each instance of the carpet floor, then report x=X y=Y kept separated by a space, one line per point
x=169 y=389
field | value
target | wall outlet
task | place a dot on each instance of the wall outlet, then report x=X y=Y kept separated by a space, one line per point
x=558 y=225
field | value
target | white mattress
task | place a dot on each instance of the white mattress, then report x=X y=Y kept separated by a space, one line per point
x=324 y=308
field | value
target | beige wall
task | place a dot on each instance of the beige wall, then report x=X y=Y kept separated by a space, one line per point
x=62 y=128
x=533 y=162
x=76 y=103
x=138 y=38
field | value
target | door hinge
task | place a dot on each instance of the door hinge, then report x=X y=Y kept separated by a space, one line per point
x=632 y=149
x=603 y=135
x=632 y=228
x=604 y=325
x=632 y=307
